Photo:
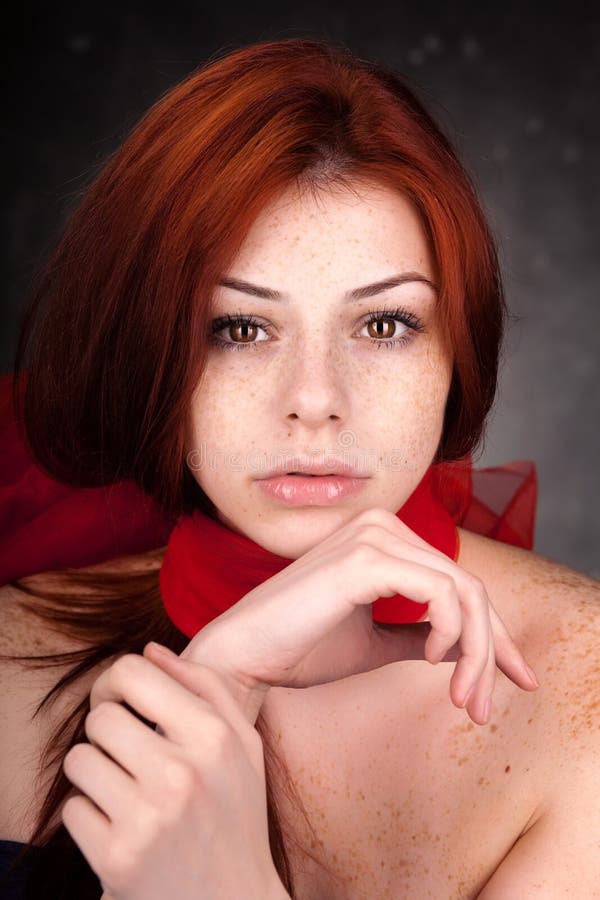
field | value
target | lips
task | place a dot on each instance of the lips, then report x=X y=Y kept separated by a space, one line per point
x=311 y=474
x=302 y=466
x=311 y=490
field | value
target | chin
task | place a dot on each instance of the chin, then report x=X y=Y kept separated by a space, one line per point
x=297 y=531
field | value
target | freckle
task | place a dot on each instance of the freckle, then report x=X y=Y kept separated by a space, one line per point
x=493 y=728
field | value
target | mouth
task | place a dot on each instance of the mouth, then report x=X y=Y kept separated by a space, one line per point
x=308 y=489
x=312 y=475
x=313 y=468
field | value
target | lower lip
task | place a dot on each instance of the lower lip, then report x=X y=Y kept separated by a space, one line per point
x=307 y=490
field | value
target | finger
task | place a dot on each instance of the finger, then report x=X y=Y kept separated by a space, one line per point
x=127 y=740
x=392 y=523
x=445 y=620
x=473 y=631
x=89 y=828
x=217 y=688
x=154 y=694
x=482 y=690
x=412 y=636
x=509 y=658
x=452 y=616
x=101 y=779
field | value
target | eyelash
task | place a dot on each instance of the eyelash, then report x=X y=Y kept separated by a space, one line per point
x=407 y=318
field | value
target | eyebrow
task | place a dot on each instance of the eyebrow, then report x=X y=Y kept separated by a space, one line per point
x=368 y=290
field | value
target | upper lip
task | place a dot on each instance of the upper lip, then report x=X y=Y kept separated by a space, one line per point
x=314 y=466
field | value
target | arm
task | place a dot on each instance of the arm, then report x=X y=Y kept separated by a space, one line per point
x=200 y=782
x=312 y=622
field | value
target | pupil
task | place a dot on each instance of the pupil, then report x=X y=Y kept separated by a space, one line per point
x=245 y=333
x=383 y=327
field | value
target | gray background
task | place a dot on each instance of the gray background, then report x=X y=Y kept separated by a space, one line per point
x=518 y=91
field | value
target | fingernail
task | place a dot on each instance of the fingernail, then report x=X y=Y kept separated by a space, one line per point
x=532 y=676
x=487 y=710
x=467 y=696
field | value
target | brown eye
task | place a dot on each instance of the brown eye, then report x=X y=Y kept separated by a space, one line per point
x=242 y=332
x=381 y=328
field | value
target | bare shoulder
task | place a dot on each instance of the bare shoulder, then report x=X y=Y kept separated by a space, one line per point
x=532 y=589
x=553 y=612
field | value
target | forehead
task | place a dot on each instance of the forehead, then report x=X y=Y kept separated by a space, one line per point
x=340 y=232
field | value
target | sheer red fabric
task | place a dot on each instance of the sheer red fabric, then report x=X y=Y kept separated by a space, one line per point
x=46 y=525
x=207 y=567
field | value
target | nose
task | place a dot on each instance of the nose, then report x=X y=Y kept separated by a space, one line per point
x=316 y=386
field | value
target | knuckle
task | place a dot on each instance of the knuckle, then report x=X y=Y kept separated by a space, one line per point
x=446 y=587
x=476 y=582
x=102 y=714
x=126 y=667
x=181 y=779
x=376 y=515
x=221 y=739
x=475 y=590
x=75 y=757
x=363 y=554
x=369 y=533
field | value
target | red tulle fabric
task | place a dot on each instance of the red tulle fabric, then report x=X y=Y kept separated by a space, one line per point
x=46 y=525
x=207 y=567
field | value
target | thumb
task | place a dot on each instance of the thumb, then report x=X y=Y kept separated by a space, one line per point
x=233 y=699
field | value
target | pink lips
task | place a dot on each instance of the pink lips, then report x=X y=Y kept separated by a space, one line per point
x=311 y=490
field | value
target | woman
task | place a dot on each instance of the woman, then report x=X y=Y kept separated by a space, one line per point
x=271 y=200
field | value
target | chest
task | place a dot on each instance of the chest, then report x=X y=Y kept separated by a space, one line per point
x=406 y=796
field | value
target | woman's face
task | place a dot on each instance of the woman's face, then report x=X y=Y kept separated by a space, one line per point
x=310 y=377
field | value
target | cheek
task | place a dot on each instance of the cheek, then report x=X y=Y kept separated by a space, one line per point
x=405 y=410
x=222 y=433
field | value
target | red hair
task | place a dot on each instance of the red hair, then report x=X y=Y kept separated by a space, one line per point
x=115 y=338
x=114 y=341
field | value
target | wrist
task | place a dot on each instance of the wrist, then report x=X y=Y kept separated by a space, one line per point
x=248 y=692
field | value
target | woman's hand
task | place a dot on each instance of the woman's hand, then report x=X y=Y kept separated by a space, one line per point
x=180 y=813
x=312 y=622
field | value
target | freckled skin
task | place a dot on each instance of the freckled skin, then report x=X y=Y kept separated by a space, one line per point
x=407 y=797
x=313 y=375
x=405 y=780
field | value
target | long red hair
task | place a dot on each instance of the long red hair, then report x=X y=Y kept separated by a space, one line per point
x=122 y=308
x=114 y=340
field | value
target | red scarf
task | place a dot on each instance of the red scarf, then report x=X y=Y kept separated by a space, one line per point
x=45 y=526
x=207 y=567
